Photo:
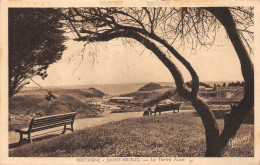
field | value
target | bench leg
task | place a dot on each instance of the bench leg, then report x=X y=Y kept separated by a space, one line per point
x=72 y=127
x=64 y=130
x=29 y=137
x=21 y=137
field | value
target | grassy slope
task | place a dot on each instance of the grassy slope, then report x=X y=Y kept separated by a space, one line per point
x=58 y=90
x=33 y=104
x=171 y=135
x=149 y=97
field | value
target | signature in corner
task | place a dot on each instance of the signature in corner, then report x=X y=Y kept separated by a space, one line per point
x=237 y=141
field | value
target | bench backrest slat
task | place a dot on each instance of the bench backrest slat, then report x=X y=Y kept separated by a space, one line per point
x=168 y=107
x=48 y=122
x=39 y=122
x=55 y=116
x=70 y=120
x=49 y=126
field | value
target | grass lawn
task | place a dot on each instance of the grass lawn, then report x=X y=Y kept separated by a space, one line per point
x=166 y=135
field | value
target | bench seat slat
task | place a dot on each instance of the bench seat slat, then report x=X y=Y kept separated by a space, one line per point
x=51 y=123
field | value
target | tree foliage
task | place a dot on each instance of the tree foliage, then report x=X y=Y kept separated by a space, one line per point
x=35 y=41
x=236 y=84
x=200 y=84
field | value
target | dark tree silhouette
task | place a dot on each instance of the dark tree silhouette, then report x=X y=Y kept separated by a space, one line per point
x=200 y=83
x=155 y=28
x=238 y=114
x=35 y=41
x=215 y=87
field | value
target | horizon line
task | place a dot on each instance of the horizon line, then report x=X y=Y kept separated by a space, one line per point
x=126 y=83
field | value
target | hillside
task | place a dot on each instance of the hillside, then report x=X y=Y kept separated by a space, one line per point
x=152 y=86
x=150 y=94
x=30 y=104
x=84 y=92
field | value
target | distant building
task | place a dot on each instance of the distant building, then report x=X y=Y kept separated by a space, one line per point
x=236 y=92
x=121 y=99
x=207 y=92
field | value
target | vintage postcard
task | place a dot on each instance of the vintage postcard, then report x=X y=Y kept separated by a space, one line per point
x=129 y=82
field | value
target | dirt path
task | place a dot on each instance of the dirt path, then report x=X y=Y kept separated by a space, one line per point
x=91 y=122
x=80 y=124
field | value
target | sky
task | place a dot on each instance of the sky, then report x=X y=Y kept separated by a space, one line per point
x=114 y=62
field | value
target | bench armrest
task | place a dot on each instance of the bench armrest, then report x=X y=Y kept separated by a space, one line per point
x=21 y=131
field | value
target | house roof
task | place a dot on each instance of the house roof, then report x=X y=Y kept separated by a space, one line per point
x=121 y=98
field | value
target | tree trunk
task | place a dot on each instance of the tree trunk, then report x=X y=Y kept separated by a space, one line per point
x=237 y=115
x=211 y=128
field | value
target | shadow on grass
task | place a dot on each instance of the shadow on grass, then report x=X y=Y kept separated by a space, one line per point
x=25 y=141
x=219 y=114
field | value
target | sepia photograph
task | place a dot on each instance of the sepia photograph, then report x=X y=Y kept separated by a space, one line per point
x=131 y=85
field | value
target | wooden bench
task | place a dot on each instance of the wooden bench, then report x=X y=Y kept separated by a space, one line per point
x=48 y=122
x=166 y=107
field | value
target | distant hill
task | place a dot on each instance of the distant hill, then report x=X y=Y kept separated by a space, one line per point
x=93 y=92
x=152 y=86
x=109 y=89
x=161 y=98
x=90 y=92
x=151 y=93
